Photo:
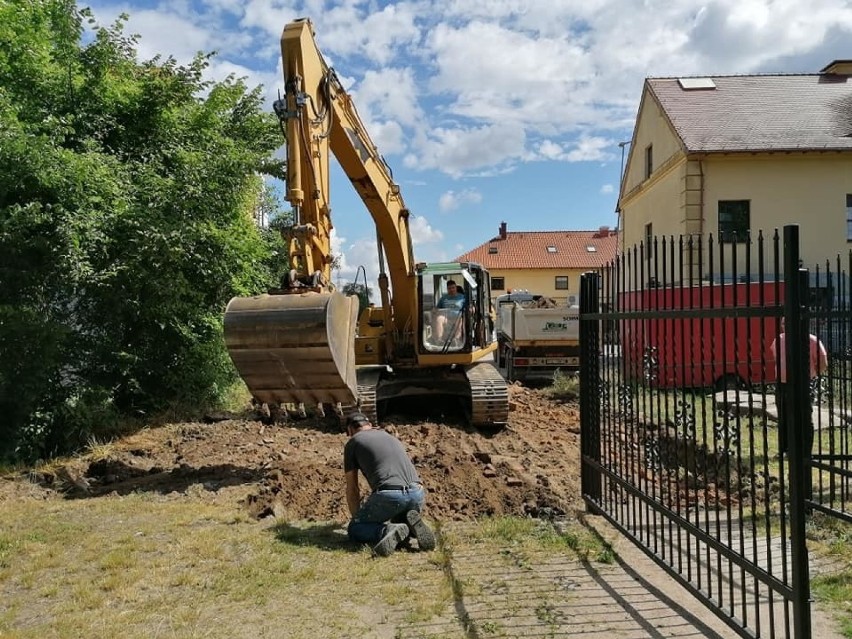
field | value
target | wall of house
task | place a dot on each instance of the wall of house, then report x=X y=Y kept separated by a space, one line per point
x=652 y=128
x=782 y=188
x=661 y=199
x=659 y=204
x=540 y=281
x=805 y=189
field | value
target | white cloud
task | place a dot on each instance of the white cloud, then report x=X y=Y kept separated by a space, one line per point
x=489 y=9
x=220 y=69
x=386 y=100
x=606 y=189
x=386 y=30
x=459 y=150
x=496 y=74
x=753 y=33
x=346 y=29
x=479 y=86
x=162 y=32
x=590 y=148
x=422 y=232
x=270 y=16
x=451 y=200
x=389 y=93
x=234 y=7
x=550 y=150
x=361 y=252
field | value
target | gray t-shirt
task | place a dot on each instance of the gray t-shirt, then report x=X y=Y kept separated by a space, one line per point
x=381 y=457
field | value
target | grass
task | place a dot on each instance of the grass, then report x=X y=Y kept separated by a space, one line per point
x=194 y=565
x=150 y=566
x=236 y=398
x=527 y=536
x=835 y=591
x=97 y=450
x=705 y=429
x=830 y=537
x=565 y=386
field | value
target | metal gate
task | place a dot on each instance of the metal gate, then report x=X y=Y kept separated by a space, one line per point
x=682 y=378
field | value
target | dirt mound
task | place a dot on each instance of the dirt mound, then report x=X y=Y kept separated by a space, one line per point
x=295 y=470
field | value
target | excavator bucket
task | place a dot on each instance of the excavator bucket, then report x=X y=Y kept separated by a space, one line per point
x=295 y=348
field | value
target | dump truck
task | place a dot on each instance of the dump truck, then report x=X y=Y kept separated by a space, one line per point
x=536 y=337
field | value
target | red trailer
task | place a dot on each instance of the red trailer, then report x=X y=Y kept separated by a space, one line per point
x=675 y=344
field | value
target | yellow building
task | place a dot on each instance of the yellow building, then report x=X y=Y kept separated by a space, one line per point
x=730 y=156
x=543 y=262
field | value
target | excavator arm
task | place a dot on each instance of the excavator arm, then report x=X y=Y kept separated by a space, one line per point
x=319 y=118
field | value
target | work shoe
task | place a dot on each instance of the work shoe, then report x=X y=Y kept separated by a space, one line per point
x=394 y=535
x=422 y=533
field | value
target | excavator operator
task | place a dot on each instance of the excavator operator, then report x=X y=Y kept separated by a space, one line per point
x=450 y=307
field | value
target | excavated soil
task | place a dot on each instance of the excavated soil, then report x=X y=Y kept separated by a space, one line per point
x=294 y=469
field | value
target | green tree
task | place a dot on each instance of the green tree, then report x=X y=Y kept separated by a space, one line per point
x=128 y=194
x=363 y=292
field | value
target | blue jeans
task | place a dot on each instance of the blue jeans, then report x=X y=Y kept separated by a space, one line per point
x=383 y=506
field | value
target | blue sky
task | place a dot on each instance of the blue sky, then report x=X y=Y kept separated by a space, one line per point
x=491 y=111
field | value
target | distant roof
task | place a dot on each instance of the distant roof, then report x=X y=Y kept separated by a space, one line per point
x=529 y=249
x=760 y=112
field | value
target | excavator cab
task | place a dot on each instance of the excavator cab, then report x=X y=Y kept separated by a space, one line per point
x=455 y=302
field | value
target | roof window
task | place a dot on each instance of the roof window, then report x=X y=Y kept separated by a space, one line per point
x=696 y=84
x=837 y=67
x=492 y=250
x=592 y=249
x=551 y=249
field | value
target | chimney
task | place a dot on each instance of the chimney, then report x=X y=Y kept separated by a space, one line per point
x=502 y=230
x=603 y=231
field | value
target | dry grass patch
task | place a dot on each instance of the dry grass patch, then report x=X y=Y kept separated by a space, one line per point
x=157 y=566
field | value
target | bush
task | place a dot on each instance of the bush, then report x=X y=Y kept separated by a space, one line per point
x=127 y=199
x=565 y=386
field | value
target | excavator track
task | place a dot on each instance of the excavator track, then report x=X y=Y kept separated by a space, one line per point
x=489 y=395
x=368 y=380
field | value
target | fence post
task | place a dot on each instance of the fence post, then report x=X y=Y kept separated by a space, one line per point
x=797 y=362
x=590 y=392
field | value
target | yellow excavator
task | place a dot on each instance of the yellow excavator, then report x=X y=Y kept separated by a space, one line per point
x=306 y=342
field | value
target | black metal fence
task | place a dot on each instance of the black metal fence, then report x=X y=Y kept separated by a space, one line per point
x=692 y=352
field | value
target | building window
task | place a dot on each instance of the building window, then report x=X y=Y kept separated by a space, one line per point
x=561 y=283
x=649 y=239
x=734 y=222
x=649 y=160
x=849 y=217
x=498 y=284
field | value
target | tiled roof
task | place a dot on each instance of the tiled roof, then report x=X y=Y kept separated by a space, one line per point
x=761 y=112
x=528 y=249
